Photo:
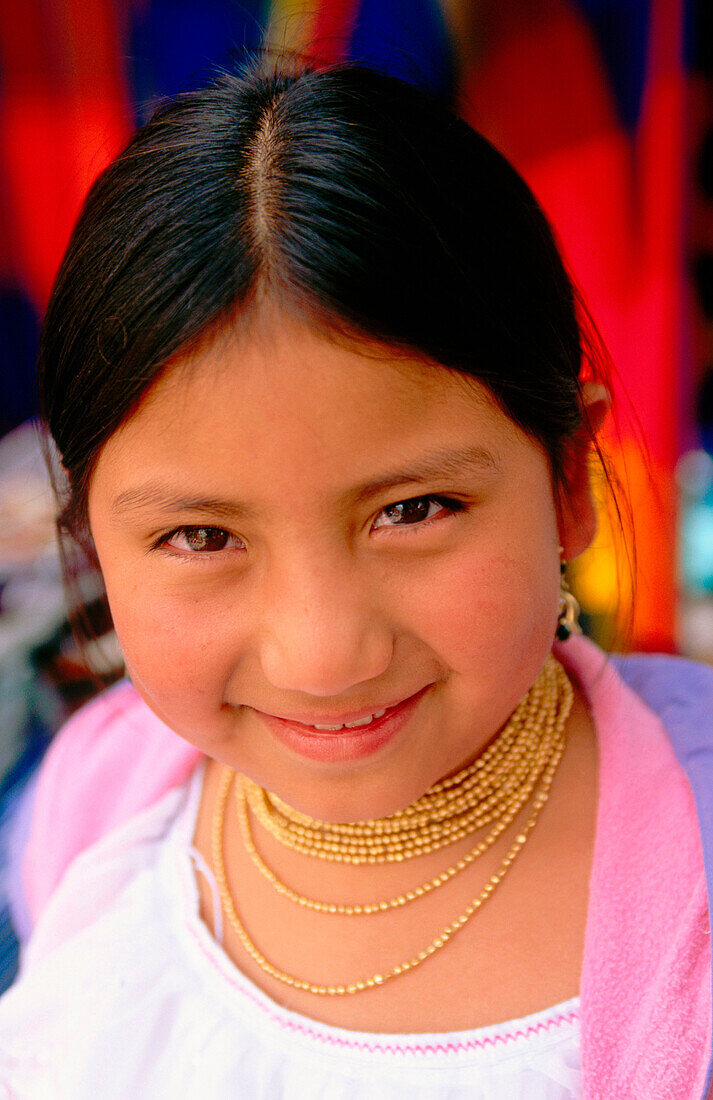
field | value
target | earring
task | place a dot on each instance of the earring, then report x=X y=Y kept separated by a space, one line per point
x=568 y=615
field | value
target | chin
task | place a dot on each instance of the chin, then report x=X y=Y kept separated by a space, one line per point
x=346 y=799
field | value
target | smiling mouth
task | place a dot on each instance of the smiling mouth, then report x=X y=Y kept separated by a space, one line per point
x=334 y=727
x=354 y=737
x=348 y=722
x=353 y=725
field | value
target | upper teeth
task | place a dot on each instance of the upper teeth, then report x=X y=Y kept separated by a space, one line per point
x=353 y=725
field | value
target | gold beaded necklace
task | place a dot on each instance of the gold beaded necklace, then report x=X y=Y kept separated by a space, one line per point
x=495 y=787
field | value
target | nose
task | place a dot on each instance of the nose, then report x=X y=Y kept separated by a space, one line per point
x=322 y=632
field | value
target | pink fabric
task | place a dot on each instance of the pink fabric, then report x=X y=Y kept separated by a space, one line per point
x=111 y=760
x=645 y=990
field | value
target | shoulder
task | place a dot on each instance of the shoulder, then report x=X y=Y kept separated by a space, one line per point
x=111 y=760
x=680 y=692
x=647 y=970
x=654 y=720
x=677 y=691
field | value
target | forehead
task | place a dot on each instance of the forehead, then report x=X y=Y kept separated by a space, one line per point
x=281 y=407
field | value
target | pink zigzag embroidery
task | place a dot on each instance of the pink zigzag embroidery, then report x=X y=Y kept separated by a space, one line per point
x=387 y=1048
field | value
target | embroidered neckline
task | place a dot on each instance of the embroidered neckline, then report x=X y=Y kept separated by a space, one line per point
x=555 y=1020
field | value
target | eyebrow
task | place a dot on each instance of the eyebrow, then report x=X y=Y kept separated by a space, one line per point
x=433 y=465
x=155 y=495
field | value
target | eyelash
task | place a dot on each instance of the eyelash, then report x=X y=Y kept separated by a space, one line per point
x=449 y=505
x=163 y=543
x=452 y=507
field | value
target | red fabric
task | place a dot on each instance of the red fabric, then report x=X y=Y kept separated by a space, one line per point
x=331 y=30
x=539 y=91
x=63 y=116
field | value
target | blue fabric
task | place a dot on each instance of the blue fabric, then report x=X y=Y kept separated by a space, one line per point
x=406 y=38
x=681 y=693
x=15 y=790
x=176 y=44
x=622 y=29
x=19 y=338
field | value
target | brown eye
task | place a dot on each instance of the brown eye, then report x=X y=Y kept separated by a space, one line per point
x=409 y=511
x=418 y=510
x=201 y=540
x=206 y=538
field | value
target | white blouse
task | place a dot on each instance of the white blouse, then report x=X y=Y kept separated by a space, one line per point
x=124 y=993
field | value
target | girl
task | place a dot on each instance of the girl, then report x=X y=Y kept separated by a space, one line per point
x=313 y=368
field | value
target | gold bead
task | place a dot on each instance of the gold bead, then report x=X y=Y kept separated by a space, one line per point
x=518 y=767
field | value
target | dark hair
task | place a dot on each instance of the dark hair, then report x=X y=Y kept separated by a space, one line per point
x=348 y=195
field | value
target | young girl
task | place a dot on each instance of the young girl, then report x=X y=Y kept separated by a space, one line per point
x=351 y=829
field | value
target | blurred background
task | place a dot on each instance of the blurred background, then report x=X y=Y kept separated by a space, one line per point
x=606 y=108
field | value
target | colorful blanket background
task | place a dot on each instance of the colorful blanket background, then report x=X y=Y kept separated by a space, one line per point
x=586 y=97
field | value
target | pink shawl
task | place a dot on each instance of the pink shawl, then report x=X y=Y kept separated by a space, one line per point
x=646 y=977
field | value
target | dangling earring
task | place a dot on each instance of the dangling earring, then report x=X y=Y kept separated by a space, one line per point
x=568 y=616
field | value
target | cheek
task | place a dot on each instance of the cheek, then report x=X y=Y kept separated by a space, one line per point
x=178 y=652
x=491 y=625
x=490 y=612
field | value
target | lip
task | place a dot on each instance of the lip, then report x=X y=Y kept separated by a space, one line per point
x=344 y=744
x=338 y=719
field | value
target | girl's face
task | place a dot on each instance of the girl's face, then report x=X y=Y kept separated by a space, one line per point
x=298 y=533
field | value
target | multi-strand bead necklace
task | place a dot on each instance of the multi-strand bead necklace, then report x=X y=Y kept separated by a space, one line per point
x=516 y=768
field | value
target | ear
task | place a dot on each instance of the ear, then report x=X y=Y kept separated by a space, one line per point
x=576 y=507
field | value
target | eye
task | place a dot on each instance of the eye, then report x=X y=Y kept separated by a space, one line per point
x=200 y=540
x=417 y=511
